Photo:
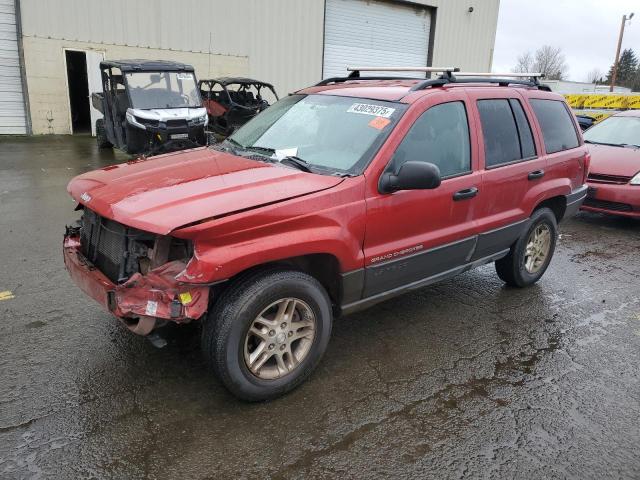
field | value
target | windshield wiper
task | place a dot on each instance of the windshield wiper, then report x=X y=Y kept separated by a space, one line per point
x=297 y=162
x=610 y=144
x=267 y=150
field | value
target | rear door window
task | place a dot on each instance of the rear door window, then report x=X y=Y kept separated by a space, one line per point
x=527 y=147
x=501 y=141
x=558 y=130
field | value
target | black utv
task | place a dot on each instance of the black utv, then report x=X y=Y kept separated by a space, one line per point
x=233 y=101
x=149 y=107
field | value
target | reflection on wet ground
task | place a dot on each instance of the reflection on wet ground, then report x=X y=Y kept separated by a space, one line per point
x=465 y=378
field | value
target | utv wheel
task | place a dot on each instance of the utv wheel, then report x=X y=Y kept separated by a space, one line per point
x=531 y=254
x=101 y=135
x=267 y=333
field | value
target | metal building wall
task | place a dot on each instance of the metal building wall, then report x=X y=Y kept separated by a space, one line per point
x=276 y=40
x=273 y=34
x=464 y=39
x=12 y=112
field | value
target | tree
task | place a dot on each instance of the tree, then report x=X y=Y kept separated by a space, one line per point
x=595 y=76
x=547 y=59
x=627 y=69
x=523 y=63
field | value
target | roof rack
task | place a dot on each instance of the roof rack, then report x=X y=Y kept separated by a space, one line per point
x=355 y=73
x=502 y=79
x=448 y=75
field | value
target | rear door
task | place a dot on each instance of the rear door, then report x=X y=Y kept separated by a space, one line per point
x=561 y=140
x=416 y=234
x=512 y=163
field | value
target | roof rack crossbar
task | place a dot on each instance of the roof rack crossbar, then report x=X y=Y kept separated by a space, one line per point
x=327 y=81
x=356 y=75
x=501 y=79
x=404 y=69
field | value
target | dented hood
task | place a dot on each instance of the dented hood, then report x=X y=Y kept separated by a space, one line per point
x=164 y=193
x=608 y=160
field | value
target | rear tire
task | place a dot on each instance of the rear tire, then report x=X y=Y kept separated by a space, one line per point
x=530 y=256
x=101 y=135
x=267 y=333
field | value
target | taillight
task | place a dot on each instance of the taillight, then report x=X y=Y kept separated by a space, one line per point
x=585 y=166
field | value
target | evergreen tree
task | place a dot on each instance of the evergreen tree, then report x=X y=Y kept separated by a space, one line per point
x=627 y=69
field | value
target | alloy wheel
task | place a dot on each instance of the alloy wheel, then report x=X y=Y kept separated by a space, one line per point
x=537 y=249
x=279 y=338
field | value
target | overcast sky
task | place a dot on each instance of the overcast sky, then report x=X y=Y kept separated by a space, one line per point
x=586 y=30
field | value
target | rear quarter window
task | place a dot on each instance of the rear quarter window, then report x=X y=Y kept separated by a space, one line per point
x=558 y=130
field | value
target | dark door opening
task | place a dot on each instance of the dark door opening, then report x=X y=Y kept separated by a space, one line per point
x=78 y=91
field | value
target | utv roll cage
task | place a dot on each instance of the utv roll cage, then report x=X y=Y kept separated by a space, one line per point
x=229 y=108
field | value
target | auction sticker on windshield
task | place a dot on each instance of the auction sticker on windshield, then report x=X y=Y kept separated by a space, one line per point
x=370 y=109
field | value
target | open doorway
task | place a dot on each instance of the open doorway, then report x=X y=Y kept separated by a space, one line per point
x=78 y=91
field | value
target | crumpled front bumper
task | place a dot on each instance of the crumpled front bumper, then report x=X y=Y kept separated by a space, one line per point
x=143 y=299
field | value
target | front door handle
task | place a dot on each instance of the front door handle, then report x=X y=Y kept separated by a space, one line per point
x=536 y=175
x=466 y=193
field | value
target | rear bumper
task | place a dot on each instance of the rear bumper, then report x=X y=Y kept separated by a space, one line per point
x=621 y=200
x=143 y=299
x=575 y=200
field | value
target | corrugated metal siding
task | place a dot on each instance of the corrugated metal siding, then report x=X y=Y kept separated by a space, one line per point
x=164 y=24
x=465 y=39
x=286 y=39
x=281 y=38
x=12 y=113
x=368 y=32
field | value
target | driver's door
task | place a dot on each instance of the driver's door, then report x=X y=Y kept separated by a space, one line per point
x=412 y=235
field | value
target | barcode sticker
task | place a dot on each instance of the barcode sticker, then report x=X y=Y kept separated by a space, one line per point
x=152 y=308
x=370 y=109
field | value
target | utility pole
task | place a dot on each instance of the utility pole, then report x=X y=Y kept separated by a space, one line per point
x=617 y=60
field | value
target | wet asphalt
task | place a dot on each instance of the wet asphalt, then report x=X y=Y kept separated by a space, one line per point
x=464 y=379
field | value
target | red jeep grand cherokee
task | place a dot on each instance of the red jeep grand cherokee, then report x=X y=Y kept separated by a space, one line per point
x=614 y=177
x=335 y=198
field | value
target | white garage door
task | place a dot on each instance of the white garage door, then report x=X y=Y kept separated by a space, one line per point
x=373 y=33
x=12 y=114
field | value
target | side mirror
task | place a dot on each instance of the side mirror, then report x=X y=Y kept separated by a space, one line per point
x=411 y=176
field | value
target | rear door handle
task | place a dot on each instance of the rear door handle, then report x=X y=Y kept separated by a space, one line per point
x=536 y=175
x=466 y=193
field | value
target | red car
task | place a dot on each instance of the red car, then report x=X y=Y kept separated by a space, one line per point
x=335 y=198
x=614 y=177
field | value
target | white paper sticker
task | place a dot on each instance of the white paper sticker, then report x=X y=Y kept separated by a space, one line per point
x=285 y=152
x=184 y=76
x=152 y=308
x=370 y=109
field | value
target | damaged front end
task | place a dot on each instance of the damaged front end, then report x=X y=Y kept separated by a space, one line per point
x=133 y=273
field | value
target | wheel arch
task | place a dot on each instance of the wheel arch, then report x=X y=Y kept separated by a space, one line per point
x=324 y=267
x=557 y=204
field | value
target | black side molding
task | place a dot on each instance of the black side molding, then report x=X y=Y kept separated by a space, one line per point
x=574 y=201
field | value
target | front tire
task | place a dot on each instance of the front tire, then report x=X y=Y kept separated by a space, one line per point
x=267 y=333
x=101 y=135
x=530 y=256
